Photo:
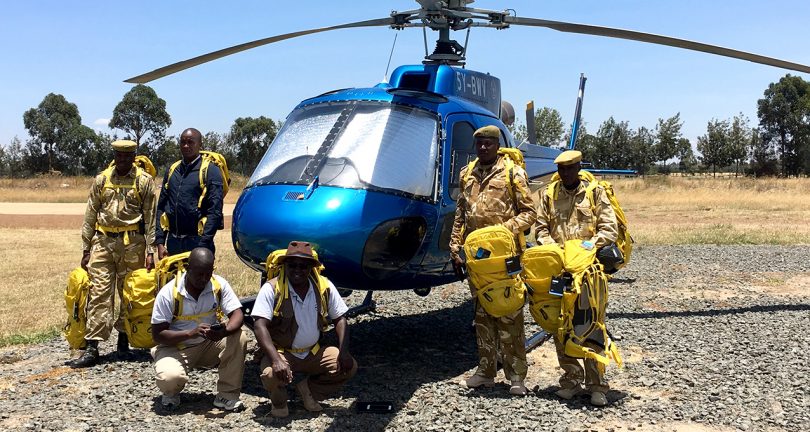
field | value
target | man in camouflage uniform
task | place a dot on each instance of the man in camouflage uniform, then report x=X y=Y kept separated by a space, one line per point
x=573 y=218
x=118 y=236
x=487 y=198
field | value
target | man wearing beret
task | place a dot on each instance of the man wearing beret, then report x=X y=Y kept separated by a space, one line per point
x=571 y=217
x=118 y=236
x=488 y=198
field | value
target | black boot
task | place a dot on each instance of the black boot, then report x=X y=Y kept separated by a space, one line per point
x=124 y=352
x=89 y=358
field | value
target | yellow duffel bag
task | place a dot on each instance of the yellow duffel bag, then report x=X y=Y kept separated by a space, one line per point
x=140 y=288
x=487 y=250
x=540 y=265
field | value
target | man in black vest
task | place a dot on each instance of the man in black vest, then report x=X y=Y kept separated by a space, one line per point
x=191 y=223
x=290 y=313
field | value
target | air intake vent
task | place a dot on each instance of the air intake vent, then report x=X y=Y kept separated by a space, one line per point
x=293 y=196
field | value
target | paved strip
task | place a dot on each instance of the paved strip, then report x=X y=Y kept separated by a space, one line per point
x=63 y=209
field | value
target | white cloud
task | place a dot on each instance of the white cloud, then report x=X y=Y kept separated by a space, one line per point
x=101 y=122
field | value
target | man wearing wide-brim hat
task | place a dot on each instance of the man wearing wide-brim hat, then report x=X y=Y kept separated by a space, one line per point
x=291 y=312
x=118 y=236
x=565 y=213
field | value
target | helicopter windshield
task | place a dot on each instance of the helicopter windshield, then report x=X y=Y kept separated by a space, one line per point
x=358 y=144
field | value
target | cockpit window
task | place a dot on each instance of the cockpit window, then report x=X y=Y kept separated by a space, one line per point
x=355 y=145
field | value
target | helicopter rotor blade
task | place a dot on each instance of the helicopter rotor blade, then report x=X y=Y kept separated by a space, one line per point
x=196 y=61
x=654 y=39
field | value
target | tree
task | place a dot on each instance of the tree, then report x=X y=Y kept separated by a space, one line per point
x=642 y=150
x=140 y=112
x=250 y=137
x=667 y=134
x=714 y=145
x=52 y=125
x=763 y=156
x=784 y=120
x=14 y=155
x=687 y=162
x=739 y=139
x=549 y=127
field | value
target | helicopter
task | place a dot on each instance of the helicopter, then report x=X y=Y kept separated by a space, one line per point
x=370 y=175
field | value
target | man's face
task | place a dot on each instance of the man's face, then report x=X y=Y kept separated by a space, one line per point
x=298 y=270
x=569 y=174
x=197 y=276
x=124 y=161
x=486 y=149
x=190 y=143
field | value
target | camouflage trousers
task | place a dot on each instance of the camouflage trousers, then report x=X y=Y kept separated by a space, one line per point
x=592 y=375
x=110 y=261
x=504 y=333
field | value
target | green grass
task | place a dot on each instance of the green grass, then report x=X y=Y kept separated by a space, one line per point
x=31 y=338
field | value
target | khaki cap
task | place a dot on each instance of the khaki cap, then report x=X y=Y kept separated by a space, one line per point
x=126 y=146
x=488 y=132
x=568 y=157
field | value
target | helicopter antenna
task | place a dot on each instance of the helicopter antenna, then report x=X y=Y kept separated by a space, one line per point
x=385 y=77
x=424 y=36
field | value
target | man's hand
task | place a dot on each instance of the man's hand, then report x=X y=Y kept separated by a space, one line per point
x=281 y=370
x=458 y=267
x=150 y=262
x=200 y=330
x=162 y=252
x=215 y=332
x=85 y=259
x=344 y=361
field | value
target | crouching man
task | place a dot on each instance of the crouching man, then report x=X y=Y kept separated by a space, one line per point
x=291 y=312
x=187 y=326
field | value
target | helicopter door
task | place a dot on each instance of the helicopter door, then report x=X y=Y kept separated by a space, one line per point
x=461 y=153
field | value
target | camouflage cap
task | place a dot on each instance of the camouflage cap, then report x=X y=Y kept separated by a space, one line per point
x=568 y=157
x=126 y=146
x=488 y=132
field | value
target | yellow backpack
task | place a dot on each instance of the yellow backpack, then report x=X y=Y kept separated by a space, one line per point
x=582 y=320
x=281 y=291
x=624 y=241
x=169 y=268
x=487 y=250
x=540 y=265
x=208 y=157
x=140 y=288
x=78 y=286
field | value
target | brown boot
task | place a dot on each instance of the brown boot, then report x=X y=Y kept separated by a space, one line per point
x=310 y=403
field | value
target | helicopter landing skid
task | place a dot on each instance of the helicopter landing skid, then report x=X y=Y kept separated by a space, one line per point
x=537 y=339
x=367 y=306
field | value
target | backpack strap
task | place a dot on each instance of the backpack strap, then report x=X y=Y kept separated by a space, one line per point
x=204 y=164
x=171 y=172
x=178 y=303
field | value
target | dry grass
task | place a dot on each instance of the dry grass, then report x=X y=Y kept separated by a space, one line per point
x=34 y=272
x=73 y=189
x=683 y=210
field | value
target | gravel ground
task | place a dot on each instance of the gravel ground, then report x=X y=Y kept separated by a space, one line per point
x=714 y=339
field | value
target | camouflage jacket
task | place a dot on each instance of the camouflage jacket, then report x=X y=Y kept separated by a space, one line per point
x=486 y=199
x=119 y=207
x=573 y=217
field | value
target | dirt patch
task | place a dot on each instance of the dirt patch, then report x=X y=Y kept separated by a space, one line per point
x=662 y=426
x=50 y=375
x=781 y=283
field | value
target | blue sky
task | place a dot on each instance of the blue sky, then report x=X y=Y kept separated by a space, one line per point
x=84 y=50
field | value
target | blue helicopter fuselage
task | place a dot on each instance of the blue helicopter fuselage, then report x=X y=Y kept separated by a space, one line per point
x=370 y=177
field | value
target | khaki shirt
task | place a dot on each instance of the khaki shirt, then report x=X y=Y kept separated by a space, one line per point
x=486 y=200
x=573 y=217
x=119 y=207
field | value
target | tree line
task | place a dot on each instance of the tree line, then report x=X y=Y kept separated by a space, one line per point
x=778 y=145
x=59 y=143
